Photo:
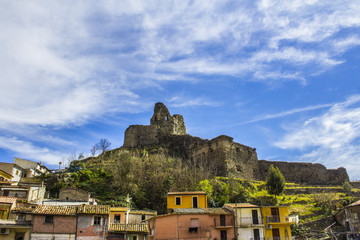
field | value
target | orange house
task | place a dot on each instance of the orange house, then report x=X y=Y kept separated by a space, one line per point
x=193 y=223
x=186 y=200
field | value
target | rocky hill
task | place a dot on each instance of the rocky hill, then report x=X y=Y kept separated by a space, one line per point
x=221 y=155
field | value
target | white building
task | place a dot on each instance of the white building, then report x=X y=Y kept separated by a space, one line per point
x=249 y=222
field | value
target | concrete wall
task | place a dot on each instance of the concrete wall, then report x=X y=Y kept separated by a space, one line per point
x=88 y=231
x=72 y=194
x=49 y=236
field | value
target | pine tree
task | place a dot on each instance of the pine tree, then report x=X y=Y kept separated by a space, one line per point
x=275 y=181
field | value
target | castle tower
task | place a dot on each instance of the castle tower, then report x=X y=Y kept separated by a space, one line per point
x=161 y=123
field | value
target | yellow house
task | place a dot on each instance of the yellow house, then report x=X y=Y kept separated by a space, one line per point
x=118 y=214
x=5 y=177
x=186 y=200
x=277 y=222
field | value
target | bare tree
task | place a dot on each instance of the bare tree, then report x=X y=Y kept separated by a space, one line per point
x=103 y=145
x=93 y=150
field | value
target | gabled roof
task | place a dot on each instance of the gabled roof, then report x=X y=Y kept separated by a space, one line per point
x=54 y=210
x=132 y=227
x=357 y=203
x=186 y=193
x=241 y=205
x=8 y=175
x=11 y=200
x=93 y=209
x=141 y=212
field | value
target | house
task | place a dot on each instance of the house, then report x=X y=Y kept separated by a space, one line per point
x=12 y=169
x=14 y=229
x=277 y=222
x=92 y=222
x=348 y=217
x=54 y=222
x=6 y=205
x=31 y=168
x=193 y=223
x=249 y=222
x=186 y=200
x=24 y=192
x=5 y=177
x=129 y=224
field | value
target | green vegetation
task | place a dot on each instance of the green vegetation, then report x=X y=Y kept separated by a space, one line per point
x=275 y=181
x=148 y=175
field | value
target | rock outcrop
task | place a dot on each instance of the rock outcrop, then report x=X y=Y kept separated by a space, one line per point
x=221 y=156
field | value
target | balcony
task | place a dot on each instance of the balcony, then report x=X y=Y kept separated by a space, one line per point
x=249 y=221
x=280 y=219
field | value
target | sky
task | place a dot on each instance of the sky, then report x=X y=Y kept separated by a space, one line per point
x=280 y=76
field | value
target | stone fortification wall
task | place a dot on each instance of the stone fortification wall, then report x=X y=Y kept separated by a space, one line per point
x=306 y=173
x=221 y=155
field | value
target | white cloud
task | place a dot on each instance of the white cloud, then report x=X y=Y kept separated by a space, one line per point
x=65 y=63
x=331 y=138
x=28 y=150
x=190 y=102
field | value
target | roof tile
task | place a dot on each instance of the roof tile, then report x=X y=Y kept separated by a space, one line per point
x=93 y=209
x=131 y=227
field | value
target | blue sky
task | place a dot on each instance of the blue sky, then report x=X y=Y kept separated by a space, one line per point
x=280 y=76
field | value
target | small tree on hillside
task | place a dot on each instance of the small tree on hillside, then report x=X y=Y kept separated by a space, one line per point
x=275 y=181
x=103 y=145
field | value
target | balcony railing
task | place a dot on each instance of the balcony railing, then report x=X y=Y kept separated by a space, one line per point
x=249 y=221
x=280 y=238
x=257 y=239
x=280 y=219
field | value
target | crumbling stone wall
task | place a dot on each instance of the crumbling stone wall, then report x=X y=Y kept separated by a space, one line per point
x=306 y=173
x=161 y=123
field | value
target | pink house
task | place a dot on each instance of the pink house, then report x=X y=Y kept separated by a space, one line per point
x=92 y=222
x=193 y=223
x=54 y=222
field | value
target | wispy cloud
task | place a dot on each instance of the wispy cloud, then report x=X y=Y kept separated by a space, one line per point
x=191 y=102
x=67 y=63
x=330 y=138
x=286 y=113
x=28 y=150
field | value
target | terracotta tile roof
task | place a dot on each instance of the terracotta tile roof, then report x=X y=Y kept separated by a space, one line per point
x=131 y=227
x=186 y=193
x=55 y=210
x=354 y=204
x=7 y=199
x=212 y=211
x=93 y=209
x=141 y=212
x=241 y=205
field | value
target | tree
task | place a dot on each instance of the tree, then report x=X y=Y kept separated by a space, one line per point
x=275 y=181
x=347 y=187
x=103 y=145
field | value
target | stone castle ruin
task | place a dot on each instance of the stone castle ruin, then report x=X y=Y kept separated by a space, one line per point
x=221 y=155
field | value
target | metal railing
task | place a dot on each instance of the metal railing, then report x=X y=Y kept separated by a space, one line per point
x=248 y=221
x=280 y=219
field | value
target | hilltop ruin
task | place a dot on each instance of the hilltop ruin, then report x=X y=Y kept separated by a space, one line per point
x=221 y=155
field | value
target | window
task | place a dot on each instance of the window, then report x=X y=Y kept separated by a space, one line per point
x=194 y=225
x=134 y=238
x=49 y=219
x=222 y=220
x=97 y=220
x=117 y=218
x=142 y=217
x=356 y=215
x=177 y=200
x=256 y=234
x=195 y=202
x=223 y=235
x=20 y=217
x=17 y=172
